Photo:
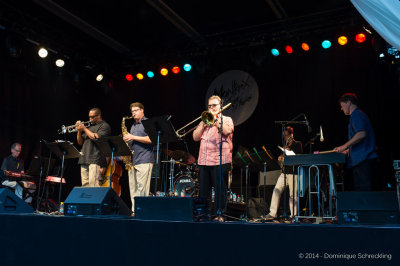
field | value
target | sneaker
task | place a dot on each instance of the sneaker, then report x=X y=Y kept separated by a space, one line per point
x=269 y=217
x=219 y=218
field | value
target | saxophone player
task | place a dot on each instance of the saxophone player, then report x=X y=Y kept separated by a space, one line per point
x=143 y=157
x=92 y=160
x=291 y=179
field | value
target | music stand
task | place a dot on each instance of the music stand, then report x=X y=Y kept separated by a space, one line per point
x=112 y=146
x=36 y=169
x=160 y=130
x=265 y=160
x=63 y=150
x=244 y=160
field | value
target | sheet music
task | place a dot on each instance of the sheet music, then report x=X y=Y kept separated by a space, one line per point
x=286 y=151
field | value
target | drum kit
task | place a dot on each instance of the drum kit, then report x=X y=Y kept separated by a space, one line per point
x=185 y=182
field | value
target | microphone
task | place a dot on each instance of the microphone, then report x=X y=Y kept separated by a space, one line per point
x=321 y=134
x=309 y=129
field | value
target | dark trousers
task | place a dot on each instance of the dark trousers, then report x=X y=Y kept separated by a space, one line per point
x=209 y=176
x=363 y=173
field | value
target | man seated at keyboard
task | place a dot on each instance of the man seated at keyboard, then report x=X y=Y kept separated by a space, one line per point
x=14 y=164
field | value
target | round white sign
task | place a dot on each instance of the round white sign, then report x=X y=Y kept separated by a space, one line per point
x=240 y=89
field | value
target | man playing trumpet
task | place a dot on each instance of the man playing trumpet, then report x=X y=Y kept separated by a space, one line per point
x=209 y=155
x=92 y=160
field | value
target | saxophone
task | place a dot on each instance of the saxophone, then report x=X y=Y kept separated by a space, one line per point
x=126 y=159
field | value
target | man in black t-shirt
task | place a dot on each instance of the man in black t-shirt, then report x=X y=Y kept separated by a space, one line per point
x=92 y=160
x=291 y=179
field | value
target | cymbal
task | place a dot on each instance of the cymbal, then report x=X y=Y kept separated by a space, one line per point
x=181 y=156
x=175 y=162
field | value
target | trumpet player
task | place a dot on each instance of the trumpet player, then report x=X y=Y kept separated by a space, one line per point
x=209 y=155
x=92 y=160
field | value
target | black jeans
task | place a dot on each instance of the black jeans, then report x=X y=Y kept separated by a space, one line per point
x=209 y=176
x=363 y=173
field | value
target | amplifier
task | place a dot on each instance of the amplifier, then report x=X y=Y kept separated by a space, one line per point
x=367 y=207
x=94 y=201
x=164 y=208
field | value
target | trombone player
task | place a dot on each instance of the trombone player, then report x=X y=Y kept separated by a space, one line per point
x=92 y=160
x=209 y=155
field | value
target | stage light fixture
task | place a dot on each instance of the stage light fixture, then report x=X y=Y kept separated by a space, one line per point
x=360 y=37
x=288 y=49
x=60 y=63
x=187 y=67
x=305 y=46
x=150 y=74
x=342 y=40
x=43 y=52
x=275 y=52
x=176 y=70
x=326 y=44
x=381 y=55
x=164 y=71
x=99 y=77
x=139 y=76
x=129 y=77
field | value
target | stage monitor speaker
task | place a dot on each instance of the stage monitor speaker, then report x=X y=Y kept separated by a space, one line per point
x=94 y=201
x=367 y=207
x=164 y=208
x=11 y=203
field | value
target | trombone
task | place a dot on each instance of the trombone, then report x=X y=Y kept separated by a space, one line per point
x=207 y=117
x=72 y=128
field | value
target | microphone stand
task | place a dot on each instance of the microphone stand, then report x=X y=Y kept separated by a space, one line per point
x=311 y=142
x=284 y=143
x=219 y=211
x=38 y=197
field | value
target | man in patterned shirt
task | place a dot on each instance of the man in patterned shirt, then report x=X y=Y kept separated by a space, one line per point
x=209 y=155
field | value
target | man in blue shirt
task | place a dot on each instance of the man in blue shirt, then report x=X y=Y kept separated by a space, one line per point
x=360 y=147
x=142 y=158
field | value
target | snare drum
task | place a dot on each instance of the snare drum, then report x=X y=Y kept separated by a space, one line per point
x=184 y=186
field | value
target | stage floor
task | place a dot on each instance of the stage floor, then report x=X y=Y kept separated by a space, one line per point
x=42 y=239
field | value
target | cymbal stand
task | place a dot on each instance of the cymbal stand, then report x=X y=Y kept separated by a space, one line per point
x=171 y=177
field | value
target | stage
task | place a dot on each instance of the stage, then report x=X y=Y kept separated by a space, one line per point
x=43 y=239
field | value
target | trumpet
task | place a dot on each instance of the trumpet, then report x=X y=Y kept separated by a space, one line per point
x=72 y=128
x=207 y=117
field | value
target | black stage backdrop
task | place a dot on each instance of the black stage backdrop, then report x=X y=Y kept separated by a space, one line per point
x=37 y=98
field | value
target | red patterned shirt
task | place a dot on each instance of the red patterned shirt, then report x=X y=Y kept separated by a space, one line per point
x=209 y=145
